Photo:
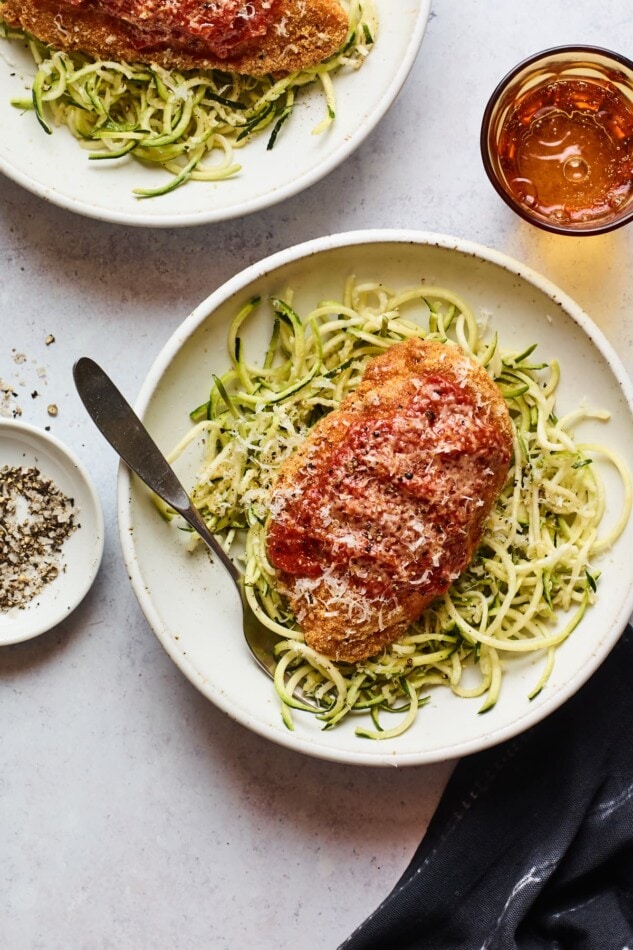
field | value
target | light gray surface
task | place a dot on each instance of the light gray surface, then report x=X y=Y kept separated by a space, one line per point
x=133 y=814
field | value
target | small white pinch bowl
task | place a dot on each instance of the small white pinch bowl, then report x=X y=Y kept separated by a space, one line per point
x=23 y=445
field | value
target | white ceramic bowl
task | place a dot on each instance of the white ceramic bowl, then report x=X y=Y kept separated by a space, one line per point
x=193 y=608
x=25 y=445
x=57 y=169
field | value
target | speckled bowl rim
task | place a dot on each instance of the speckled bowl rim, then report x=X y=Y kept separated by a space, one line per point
x=189 y=326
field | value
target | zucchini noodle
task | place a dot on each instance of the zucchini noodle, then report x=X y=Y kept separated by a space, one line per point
x=176 y=119
x=531 y=579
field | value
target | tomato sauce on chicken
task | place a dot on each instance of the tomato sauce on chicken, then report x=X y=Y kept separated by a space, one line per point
x=221 y=24
x=382 y=507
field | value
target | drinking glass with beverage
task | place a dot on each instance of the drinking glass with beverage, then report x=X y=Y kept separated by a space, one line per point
x=557 y=140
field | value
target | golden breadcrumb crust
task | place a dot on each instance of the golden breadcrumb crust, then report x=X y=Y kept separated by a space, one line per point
x=390 y=382
x=311 y=32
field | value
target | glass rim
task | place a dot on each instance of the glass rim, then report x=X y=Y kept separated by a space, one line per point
x=579 y=230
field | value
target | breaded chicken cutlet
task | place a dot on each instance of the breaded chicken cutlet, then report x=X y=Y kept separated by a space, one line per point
x=383 y=505
x=253 y=37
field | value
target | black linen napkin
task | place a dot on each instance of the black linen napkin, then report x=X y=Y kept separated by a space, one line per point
x=531 y=846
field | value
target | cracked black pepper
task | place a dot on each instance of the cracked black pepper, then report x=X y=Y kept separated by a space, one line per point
x=36 y=518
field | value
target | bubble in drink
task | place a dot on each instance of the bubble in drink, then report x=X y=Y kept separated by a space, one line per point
x=576 y=169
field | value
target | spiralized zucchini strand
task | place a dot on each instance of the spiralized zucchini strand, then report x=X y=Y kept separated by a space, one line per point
x=189 y=123
x=531 y=579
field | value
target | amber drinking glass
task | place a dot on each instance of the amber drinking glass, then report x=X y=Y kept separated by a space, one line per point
x=557 y=140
